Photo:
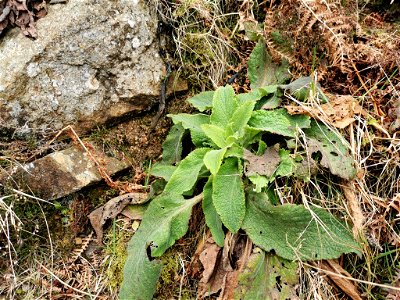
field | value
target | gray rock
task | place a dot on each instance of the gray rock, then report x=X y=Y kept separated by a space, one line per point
x=94 y=60
x=61 y=173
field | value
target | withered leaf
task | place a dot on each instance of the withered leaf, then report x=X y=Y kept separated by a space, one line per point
x=338 y=112
x=265 y=164
x=22 y=14
x=111 y=209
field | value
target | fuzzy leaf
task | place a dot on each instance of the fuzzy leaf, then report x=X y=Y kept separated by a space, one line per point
x=287 y=164
x=294 y=232
x=278 y=121
x=224 y=105
x=228 y=195
x=163 y=171
x=334 y=149
x=267 y=276
x=260 y=181
x=262 y=71
x=172 y=147
x=213 y=220
x=165 y=221
x=192 y=122
x=216 y=134
x=242 y=115
x=202 y=101
x=213 y=160
x=185 y=175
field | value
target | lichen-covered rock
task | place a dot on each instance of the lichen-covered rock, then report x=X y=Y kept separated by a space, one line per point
x=93 y=60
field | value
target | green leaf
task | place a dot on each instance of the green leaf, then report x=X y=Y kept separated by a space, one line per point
x=262 y=71
x=216 y=134
x=172 y=146
x=224 y=105
x=259 y=181
x=301 y=88
x=241 y=116
x=250 y=136
x=267 y=276
x=334 y=149
x=228 y=194
x=295 y=232
x=257 y=94
x=213 y=220
x=213 y=160
x=287 y=164
x=163 y=171
x=278 y=121
x=202 y=101
x=185 y=175
x=165 y=221
x=189 y=121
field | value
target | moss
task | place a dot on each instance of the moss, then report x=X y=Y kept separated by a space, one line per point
x=169 y=284
x=115 y=239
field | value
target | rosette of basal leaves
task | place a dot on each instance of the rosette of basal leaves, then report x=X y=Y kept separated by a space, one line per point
x=229 y=171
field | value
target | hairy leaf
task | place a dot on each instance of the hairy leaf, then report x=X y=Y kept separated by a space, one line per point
x=260 y=181
x=242 y=115
x=163 y=171
x=165 y=221
x=224 y=105
x=267 y=276
x=334 y=149
x=278 y=121
x=189 y=121
x=172 y=147
x=295 y=232
x=262 y=71
x=202 y=101
x=287 y=164
x=213 y=220
x=228 y=195
x=193 y=123
x=213 y=160
x=185 y=175
x=216 y=134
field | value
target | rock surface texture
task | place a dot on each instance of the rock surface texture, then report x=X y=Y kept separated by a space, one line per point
x=61 y=173
x=93 y=61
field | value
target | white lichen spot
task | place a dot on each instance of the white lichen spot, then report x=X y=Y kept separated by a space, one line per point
x=15 y=110
x=32 y=69
x=92 y=83
x=135 y=43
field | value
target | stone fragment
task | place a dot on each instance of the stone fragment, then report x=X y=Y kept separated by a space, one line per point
x=62 y=173
x=93 y=61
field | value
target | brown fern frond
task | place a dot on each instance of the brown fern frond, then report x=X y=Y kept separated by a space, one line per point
x=76 y=253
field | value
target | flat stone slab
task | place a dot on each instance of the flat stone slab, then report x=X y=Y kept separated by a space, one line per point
x=62 y=173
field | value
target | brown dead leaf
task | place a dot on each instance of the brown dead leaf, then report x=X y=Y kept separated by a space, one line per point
x=265 y=164
x=346 y=285
x=209 y=258
x=22 y=14
x=111 y=209
x=222 y=266
x=338 y=112
x=356 y=212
